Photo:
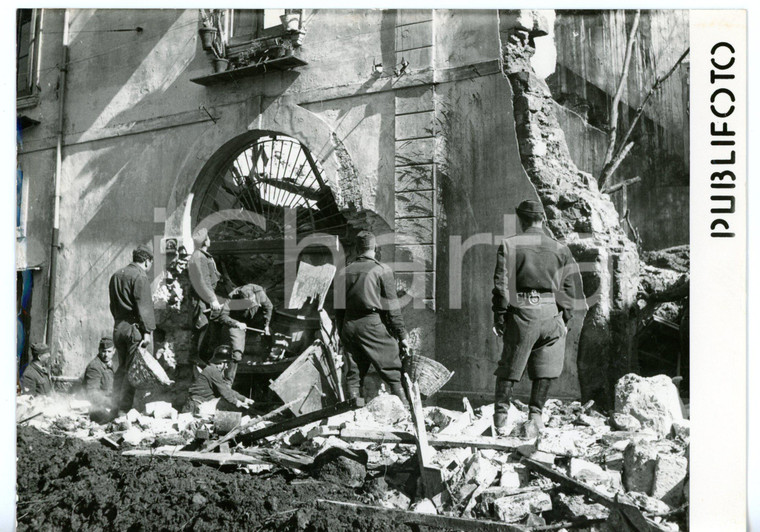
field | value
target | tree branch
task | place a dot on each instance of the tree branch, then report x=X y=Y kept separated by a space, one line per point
x=622 y=184
x=621 y=87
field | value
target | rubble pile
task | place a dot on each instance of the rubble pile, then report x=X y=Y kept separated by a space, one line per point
x=584 y=470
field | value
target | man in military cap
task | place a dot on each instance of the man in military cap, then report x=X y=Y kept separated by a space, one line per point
x=36 y=379
x=371 y=326
x=537 y=287
x=210 y=317
x=131 y=304
x=209 y=388
x=98 y=377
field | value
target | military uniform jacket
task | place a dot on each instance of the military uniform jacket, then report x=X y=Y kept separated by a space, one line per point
x=259 y=299
x=209 y=384
x=98 y=376
x=371 y=287
x=131 y=299
x=36 y=380
x=535 y=261
x=204 y=276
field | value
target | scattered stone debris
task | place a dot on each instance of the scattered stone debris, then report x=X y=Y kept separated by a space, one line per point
x=582 y=463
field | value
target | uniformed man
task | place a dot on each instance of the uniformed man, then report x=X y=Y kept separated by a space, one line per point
x=371 y=326
x=537 y=288
x=210 y=318
x=134 y=320
x=209 y=391
x=249 y=305
x=98 y=377
x=36 y=378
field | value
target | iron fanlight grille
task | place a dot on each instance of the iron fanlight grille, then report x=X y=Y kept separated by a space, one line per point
x=270 y=175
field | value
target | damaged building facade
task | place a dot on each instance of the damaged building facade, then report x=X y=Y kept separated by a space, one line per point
x=426 y=126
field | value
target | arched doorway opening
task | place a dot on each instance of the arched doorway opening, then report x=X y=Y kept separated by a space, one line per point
x=274 y=178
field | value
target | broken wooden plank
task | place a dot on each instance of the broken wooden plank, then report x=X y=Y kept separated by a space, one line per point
x=287 y=459
x=312 y=282
x=210 y=445
x=195 y=456
x=632 y=514
x=439 y=440
x=299 y=421
x=406 y=517
x=309 y=371
x=431 y=476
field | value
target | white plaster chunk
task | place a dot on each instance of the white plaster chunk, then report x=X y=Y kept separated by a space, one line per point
x=653 y=401
x=669 y=477
x=517 y=507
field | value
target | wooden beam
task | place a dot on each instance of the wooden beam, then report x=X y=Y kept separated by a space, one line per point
x=405 y=517
x=240 y=428
x=277 y=428
x=210 y=458
x=434 y=440
x=632 y=514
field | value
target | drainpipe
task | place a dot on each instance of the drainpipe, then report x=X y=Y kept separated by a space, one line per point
x=55 y=245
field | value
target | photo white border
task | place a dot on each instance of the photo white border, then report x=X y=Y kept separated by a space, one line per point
x=714 y=440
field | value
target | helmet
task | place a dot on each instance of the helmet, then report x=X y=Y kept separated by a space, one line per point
x=222 y=353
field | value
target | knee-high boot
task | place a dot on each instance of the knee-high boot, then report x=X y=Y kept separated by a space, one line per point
x=502 y=400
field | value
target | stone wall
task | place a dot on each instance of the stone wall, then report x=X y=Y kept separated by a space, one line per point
x=577 y=213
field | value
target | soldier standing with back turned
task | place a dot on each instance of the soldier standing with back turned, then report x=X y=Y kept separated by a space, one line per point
x=371 y=326
x=537 y=286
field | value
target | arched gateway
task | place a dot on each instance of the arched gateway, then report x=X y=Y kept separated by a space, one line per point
x=253 y=194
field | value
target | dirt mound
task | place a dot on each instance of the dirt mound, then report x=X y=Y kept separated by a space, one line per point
x=67 y=484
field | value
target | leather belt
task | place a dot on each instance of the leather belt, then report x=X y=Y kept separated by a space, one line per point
x=534 y=297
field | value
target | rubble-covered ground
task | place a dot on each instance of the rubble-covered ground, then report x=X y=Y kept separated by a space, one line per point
x=72 y=476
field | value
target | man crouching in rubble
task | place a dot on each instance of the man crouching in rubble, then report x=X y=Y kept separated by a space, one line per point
x=209 y=391
x=98 y=377
x=36 y=379
x=371 y=326
x=537 y=286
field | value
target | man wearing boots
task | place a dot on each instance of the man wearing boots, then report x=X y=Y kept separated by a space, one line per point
x=537 y=287
x=371 y=326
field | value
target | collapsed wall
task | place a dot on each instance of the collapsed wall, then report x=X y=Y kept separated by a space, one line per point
x=577 y=213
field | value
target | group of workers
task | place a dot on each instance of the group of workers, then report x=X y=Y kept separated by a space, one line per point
x=537 y=290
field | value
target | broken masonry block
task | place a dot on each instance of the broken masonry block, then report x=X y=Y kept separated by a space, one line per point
x=648 y=504
x=583 y=470
x=424 y=506
x=669 y=477
x=515 y=508
x=340 y=466
x=653 y=401
x=385 y=409
x=639 y=460
x=627 y=422
x=680 y=430
x=578 y=506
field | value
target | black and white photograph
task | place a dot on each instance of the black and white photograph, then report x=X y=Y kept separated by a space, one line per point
x=378 y=269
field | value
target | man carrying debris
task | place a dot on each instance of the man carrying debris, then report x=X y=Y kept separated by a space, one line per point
x=537 y=286
x=98 y=377
x=371 y=326
x=132 y=310
x=36 y=379
x=210 y=317
x=209 y=391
